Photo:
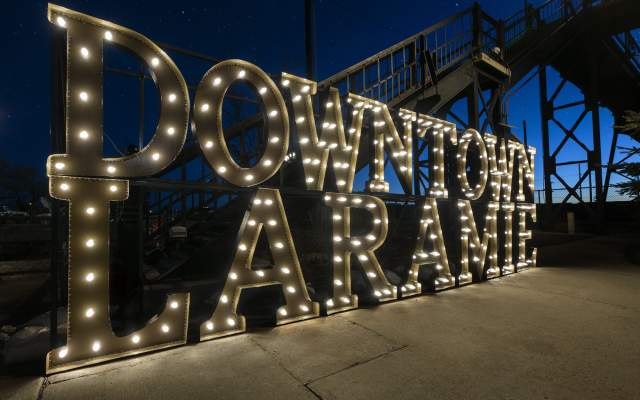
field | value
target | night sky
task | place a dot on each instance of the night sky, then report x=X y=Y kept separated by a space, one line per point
x=257 y=31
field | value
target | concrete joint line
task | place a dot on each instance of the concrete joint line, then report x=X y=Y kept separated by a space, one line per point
x=43 y=386
x=357 y=363
x=367 y=329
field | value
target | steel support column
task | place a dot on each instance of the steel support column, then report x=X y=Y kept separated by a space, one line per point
x=473 y=113
x=595 y=158
x=57 y=132
x=309 y=32
x=548 y=163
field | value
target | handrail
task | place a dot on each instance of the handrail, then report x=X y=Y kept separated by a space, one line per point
x=383 y=77
x=400 y=70
x=389 y=50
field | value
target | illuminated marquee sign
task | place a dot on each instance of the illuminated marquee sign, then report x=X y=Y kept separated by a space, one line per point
x=89 y=183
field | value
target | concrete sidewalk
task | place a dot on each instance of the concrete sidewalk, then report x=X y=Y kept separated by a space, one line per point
x=569 y=332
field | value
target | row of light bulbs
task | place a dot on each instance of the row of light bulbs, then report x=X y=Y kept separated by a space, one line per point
x=315 y=152
x=401 y=157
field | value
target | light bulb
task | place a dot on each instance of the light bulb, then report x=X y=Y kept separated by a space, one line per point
x=59 y=165
x=204 y=107
x=108 y=35
x=89 y=313
x=96 y=346
x=63 y=352
x=155 y=156
x=113 y=188
x=216 y=81
x=90 y=243
x=242 y=74
x=273 y=113
x=172 y=97
x=111 y=169
x=90 y=210
x=135 y=339
x=84 y=96
x=174 y=305
x=61 y=22
x=165 y=328
x=85 y=52
x=90 y=277
x=208 y=144
x=84 y=135
x=155 y=62
x=263 y=90
x=210 y=325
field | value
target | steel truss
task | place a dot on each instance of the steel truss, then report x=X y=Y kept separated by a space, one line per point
x=569 y=130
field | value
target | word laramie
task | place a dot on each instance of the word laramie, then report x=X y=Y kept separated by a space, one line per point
x=90 y=182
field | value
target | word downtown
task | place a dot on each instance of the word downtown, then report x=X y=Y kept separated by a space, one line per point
x=90 y=183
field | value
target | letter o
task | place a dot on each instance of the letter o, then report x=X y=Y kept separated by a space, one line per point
x=207 y=122
x=471 y=135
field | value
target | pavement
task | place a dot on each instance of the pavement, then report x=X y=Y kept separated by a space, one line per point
x=569 y=329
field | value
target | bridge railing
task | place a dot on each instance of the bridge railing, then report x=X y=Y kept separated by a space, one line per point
x=410 y=65
x=587 y=195
x=532 y=17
